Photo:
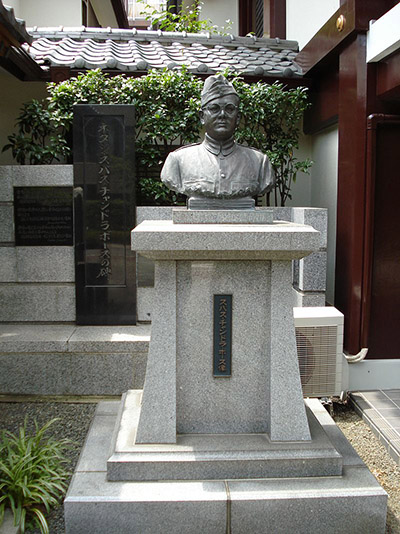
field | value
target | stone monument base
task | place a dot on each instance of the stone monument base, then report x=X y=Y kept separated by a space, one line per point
x=353 y=502
x=217 y=456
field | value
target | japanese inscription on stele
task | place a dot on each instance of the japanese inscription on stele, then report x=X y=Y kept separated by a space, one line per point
x=222 y=361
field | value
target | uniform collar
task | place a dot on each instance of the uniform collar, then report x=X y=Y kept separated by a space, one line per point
x=216 y=148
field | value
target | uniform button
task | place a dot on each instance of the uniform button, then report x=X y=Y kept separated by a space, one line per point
x=223 y=175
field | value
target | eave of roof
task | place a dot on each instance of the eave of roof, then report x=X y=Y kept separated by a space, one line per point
x=14 y=27
x=136 y=51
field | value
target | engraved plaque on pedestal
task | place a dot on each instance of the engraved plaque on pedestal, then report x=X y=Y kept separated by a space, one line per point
x=222 y=336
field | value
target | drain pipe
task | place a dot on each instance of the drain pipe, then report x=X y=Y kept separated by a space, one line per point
x=356 y=358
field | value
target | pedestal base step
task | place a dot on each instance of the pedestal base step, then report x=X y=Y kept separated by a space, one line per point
x=351 y=503
x=217 y=456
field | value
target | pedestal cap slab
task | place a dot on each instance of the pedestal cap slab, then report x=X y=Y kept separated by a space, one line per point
x=256 y=216
x=164 y=240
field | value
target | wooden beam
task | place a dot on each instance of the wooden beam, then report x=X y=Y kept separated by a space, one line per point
x=352 y=17
x=7 y=38
x=120 y=13
x=324 y=98
x=328 y=38
x=388 y=77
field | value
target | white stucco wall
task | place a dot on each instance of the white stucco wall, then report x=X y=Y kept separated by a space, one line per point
x=219 y=11
x=305 y=17
x=13 y=93
x=104 y=13
x=324 y=193
x=49 y=12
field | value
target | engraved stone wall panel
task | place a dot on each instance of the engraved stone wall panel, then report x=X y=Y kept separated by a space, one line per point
x=104 y=192
x=43 y=216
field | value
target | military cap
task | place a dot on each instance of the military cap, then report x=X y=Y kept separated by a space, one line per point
x=215 y=87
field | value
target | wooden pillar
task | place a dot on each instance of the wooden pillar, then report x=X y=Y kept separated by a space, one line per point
x=354 y=107
x=277 y=18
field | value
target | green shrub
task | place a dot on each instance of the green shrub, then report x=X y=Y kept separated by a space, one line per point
x=271 y=120
x=38 y=140
x=167 y=104
x=32 y=475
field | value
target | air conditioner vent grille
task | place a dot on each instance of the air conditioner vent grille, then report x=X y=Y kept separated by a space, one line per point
x=320 y=360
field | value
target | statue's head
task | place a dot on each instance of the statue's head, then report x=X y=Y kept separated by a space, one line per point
x=219 y=108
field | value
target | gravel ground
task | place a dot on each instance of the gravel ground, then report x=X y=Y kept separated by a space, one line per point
x=75 y=419
x=374 y=455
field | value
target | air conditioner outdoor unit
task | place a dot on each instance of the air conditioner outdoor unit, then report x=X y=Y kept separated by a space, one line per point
x=319 y=337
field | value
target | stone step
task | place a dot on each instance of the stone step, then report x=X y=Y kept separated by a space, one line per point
x=72 y=360
x=217 y=456
x=353 y=502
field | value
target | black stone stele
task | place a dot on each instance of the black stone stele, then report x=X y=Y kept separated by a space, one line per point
x=43 y=216
x=104 y=207
x=222 y=361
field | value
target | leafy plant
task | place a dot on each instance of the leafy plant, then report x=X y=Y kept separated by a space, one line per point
x=32 y=475
x=186 y=19
x=271 y=119
x=167 y=103
x=37 y=140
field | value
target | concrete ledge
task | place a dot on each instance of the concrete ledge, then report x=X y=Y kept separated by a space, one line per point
x=37 y=302
x=70 y=360
x=308 y=299
x=312 y=272
x=6 y=223
x=278 y=241
x=41 y=175
x=71 y=374
x=8 y=264
x=315 y=217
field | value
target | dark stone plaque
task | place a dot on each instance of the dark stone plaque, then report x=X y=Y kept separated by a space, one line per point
x=43 y=216
x=104 y=203
x=222 y=336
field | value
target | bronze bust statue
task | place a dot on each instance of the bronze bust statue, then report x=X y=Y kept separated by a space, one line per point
x=218 y=172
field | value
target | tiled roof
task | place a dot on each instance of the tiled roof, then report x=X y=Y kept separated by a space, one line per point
x=140 y=50
x=16 y=27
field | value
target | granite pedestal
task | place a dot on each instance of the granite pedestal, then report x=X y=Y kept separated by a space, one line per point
x=203 y=451
x=251 y=263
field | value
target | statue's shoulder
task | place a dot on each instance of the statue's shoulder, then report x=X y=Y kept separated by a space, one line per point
x=186 y=147
x=251 y=150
